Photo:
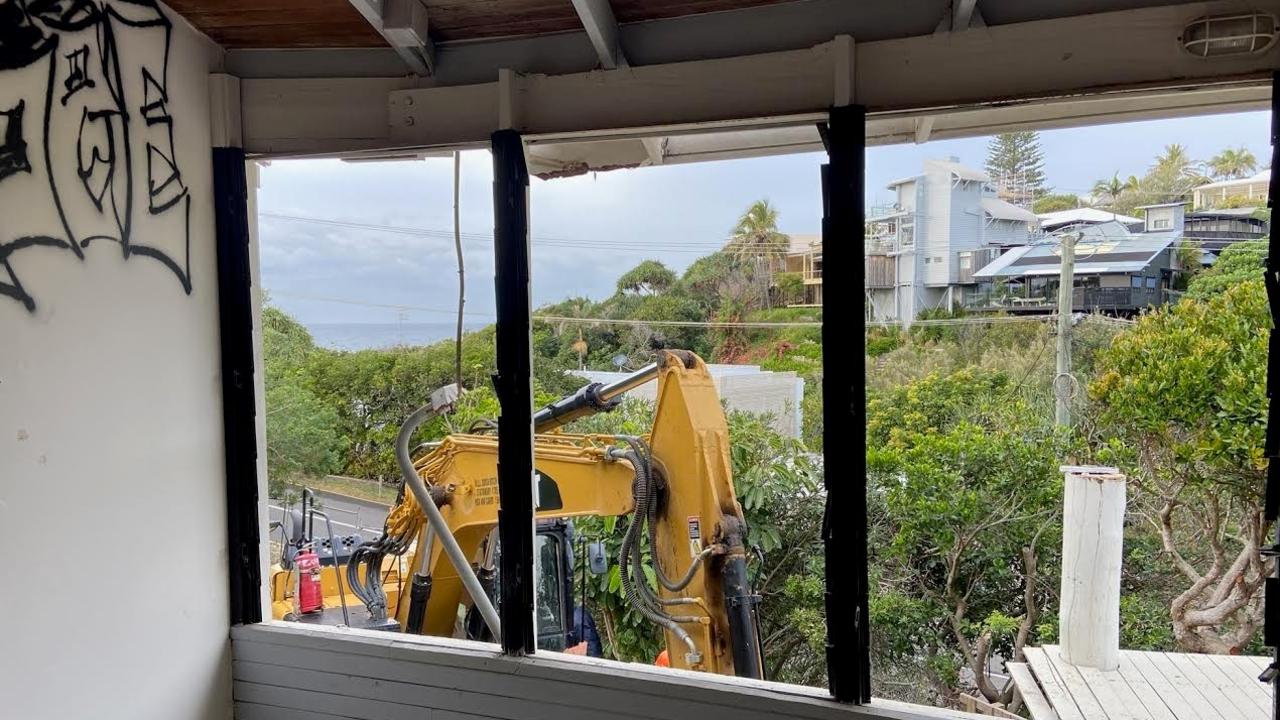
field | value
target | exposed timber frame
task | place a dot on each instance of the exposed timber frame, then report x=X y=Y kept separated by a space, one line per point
x=403 y=24
x=1107 y=67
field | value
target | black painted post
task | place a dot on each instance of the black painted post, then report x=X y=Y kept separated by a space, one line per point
x=235 y=320
x=844 y=527
x=514 y=385
x=1271 y=276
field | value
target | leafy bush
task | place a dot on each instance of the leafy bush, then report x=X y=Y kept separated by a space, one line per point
x=1235 y=265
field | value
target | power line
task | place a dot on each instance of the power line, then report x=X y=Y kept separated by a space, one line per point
x=760 y=325
x=675 y=323
x=554 y=318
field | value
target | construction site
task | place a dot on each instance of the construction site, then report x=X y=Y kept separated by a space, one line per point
x=695 y=493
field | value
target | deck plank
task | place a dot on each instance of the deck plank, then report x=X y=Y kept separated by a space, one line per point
x=1197 y=705
x=1086 y=700
x=1158 y=704
x=1147 y=686
x=1117 y=698
x=1088 y=683
x=1250 y=703
x=1204 y=677
x=1054 y=687
x=1164 y=687
x=1032 y=695
x=1245 y=673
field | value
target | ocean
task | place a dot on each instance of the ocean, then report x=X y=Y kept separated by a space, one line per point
x=366 y=336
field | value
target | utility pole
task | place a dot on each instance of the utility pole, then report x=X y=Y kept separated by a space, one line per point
x=1063 y=383
x=462 y=278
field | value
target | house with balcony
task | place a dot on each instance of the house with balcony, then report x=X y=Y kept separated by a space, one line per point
x=804 y=256
x=922 y=251
x=1215 y=230
x=1210 y=230
x=1240 y=192
x=1117 y=270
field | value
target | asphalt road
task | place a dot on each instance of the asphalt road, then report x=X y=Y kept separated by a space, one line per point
x=349 y=515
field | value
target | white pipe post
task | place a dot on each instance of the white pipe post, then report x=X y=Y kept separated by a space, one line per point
x=1092 y=539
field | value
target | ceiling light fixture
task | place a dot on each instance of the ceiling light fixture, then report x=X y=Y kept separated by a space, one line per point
x=1228 y=35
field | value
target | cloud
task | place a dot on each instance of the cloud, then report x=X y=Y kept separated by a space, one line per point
x=586 y=230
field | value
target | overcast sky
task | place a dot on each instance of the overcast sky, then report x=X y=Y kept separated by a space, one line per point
x=588 y=230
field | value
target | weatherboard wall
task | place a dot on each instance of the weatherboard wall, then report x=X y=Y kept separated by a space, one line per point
x=285 y=671
x=112 y=512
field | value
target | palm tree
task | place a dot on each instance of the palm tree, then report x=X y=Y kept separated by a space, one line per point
x=1172 y=177
x=756 y=233
x=756 y=236
x=1109 y=189
x=1112 y=189
x=1233 y=163
x=1174 y=160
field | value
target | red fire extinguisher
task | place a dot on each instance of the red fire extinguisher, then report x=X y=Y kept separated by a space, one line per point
x=310 y=596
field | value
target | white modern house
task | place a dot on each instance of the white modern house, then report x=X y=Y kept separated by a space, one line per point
x=1252 y=190
x=921 y=252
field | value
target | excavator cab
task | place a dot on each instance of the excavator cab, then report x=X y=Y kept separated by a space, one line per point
x=554 y=591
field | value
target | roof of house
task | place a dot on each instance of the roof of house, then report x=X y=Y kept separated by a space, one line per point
x=1232 y=213
x=1000 y=210
x=1146 y=686
x=1264 y=176
x=1103 y=248
x=903 y=181
x=1162 y=205
x=962 y=172
x=1084 y=215
x=802 y=244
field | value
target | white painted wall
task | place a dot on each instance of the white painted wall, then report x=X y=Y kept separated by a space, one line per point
x=113 y=589
x=933 y=226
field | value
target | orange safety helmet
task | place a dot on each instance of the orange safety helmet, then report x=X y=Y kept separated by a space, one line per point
x=663 y=660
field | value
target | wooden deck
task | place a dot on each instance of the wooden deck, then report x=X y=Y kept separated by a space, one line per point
x=1147 y=686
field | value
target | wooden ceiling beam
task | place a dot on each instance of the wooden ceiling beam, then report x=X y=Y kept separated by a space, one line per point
x=602 y=28
x=403 y=24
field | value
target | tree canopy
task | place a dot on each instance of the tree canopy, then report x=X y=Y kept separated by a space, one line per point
x=1055 y=202
x=962 y=476
x=1183 y=395
x=1233 y=163
x=648 y=278
x=1015 y=161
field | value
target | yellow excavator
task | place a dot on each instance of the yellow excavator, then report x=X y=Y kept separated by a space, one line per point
x=674 y=484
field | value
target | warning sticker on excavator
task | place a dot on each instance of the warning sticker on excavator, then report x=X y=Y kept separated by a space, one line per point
x=695 y=536
x=486 y=492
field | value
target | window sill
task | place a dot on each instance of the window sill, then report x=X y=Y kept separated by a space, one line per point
x=325 y=672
